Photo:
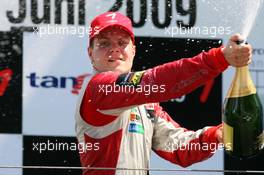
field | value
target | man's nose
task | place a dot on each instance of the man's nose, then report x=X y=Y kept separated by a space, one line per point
x=115 y=48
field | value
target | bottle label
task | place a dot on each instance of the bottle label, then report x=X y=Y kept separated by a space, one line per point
x=260 y=141
x=228 y=136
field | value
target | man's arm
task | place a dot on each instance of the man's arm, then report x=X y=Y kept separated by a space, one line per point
x=170 y=80
x=179 y=145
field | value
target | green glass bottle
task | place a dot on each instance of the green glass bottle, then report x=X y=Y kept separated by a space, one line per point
x=242 y=117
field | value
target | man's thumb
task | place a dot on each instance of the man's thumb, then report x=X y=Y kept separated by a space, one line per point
x=236 y=37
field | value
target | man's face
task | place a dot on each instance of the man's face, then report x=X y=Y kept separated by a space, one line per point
x=112 y=50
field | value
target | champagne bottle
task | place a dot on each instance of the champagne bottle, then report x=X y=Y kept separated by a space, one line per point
x=242 y=117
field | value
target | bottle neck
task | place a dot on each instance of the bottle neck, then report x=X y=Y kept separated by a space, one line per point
x=242 y=84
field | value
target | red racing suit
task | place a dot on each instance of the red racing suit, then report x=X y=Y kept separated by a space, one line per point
x=121 y=126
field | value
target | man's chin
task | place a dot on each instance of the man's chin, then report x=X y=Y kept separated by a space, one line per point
x=120 y=70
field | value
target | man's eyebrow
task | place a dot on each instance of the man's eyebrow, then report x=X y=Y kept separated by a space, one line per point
x=124 y=37
x=120 y=37
x=102 y=37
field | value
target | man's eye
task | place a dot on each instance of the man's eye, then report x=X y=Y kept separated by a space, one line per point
x=123 y=43
x=103 y=44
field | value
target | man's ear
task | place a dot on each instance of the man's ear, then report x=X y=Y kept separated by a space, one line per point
x=90 y=50
x=134 y=50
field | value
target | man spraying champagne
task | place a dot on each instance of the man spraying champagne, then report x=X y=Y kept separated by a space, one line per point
x=128 y=125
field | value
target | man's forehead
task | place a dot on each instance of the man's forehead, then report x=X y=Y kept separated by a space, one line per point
x=110 y=31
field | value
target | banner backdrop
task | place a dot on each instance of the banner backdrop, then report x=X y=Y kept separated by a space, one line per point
x=52 y=65
x=44 y=53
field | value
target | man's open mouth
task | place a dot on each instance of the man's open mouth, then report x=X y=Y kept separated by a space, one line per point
x=115 y=59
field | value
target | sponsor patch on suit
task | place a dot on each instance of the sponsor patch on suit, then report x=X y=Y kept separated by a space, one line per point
x=135 y=122
x=132 y=78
